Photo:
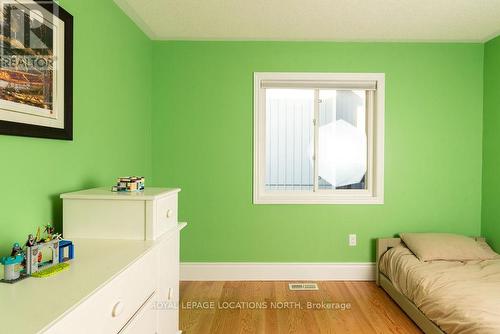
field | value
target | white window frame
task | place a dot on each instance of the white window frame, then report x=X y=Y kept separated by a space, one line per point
x=374 y=194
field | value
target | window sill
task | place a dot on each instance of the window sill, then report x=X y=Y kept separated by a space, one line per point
x=273 y=199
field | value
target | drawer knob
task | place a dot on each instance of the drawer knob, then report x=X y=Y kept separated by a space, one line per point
x=117 y=309
x=169 y=296
x=169 y=213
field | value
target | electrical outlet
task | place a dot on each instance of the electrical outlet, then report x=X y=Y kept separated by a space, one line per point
x=353 y=240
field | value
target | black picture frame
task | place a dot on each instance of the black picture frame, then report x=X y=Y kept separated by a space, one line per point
x=31 y=130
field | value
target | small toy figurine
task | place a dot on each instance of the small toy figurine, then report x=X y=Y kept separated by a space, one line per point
x=31 y=241
x=49 y=230
x=16 y=250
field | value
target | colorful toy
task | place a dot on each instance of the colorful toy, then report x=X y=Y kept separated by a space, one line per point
x=51 y=243
x=129 y=183
x=21 y=264
x=12 y=265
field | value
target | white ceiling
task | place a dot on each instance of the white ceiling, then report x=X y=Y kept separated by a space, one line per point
x=319 y=20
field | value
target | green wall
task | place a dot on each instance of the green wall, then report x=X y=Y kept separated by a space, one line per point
x=191 y=108
x=491 y=144
x=112 y=124
x=202 y=142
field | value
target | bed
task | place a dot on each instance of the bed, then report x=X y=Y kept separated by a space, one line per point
x=441 y=296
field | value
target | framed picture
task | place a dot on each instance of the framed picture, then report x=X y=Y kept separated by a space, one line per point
x=36 y=69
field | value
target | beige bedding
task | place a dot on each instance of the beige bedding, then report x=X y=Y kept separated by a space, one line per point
x=460 y=297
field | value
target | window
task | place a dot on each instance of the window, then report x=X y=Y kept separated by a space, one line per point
x=318 y=138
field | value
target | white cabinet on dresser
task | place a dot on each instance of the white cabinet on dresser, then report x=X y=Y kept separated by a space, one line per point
x=143 y=297
x=101 y=213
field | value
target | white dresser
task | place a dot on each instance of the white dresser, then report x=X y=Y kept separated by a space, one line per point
x=144 y=297
x=125 y=275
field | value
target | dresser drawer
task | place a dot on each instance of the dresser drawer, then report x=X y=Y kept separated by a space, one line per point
x=111 y=307
x=105 y=219
x=168 y=285
x=144 y=321
x=166 y=214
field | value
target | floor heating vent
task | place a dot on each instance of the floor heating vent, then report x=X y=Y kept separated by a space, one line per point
x=303 y=286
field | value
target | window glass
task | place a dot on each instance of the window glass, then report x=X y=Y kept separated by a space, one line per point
x=289 y=139
x=342 y=145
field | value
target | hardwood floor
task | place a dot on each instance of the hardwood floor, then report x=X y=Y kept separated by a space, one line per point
x=260 y=307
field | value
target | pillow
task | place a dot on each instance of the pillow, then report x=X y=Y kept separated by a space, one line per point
x=448 y=247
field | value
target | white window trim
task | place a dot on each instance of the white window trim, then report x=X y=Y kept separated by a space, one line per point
x=374 y=194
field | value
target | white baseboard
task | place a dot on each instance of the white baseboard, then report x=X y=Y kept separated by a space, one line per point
x=242 y=271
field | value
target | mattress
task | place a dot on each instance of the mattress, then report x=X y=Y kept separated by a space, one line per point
x=460 y=297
